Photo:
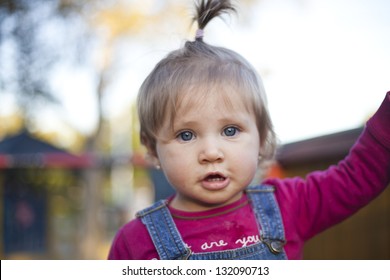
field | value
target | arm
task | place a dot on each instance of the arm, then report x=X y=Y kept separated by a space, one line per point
x=325 y=198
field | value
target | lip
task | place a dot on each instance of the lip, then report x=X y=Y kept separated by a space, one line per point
x=215 y=181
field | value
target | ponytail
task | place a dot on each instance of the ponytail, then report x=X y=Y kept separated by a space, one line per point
x=206 y=10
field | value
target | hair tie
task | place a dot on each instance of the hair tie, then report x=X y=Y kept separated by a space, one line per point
x=199 y=34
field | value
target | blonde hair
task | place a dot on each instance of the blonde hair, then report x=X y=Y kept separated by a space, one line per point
x=195 y=68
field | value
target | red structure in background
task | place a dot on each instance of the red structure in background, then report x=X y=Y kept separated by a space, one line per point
x=24 y=150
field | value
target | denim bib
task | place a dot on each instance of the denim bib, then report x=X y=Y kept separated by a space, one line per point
x=170 y=246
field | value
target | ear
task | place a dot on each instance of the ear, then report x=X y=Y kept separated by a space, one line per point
x=149 y=144
x=151 y=155
x=153 y=160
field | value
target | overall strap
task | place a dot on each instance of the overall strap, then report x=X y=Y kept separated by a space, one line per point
x=162 y=229
x=268 y=216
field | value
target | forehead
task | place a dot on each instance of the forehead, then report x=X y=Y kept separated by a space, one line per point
x=223 y=97
x=222 y=101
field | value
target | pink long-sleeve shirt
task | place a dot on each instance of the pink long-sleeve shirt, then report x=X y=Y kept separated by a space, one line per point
x=308 y=205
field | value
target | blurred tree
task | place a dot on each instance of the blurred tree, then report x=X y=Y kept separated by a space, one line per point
x=34 y=37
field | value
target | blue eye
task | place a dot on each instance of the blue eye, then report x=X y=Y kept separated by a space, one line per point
x=230 y=131
x=186 y=136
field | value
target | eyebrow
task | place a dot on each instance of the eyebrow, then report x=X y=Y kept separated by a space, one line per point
x=231 y=119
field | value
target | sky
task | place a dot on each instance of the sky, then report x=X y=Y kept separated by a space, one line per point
x=324 y=64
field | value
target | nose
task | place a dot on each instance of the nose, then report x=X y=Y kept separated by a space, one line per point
x=211 y=151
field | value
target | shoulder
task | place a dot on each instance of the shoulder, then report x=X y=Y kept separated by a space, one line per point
x=288 y=192
x=133 y=242
x=133 y=228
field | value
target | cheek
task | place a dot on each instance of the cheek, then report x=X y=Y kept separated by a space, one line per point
x=175 y=164
x=246 y=160
x=245 y=167
x=247 y=156
x=178 y=175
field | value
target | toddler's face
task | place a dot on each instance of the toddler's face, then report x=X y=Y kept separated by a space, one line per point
x=211 y=154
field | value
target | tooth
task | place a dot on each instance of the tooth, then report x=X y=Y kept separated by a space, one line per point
x=216 y=179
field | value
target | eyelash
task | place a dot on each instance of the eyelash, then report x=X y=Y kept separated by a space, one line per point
x=188 y=135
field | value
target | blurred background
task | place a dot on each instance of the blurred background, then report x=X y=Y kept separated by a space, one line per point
x=72 y=170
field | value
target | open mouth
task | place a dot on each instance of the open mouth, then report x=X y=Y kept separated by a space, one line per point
x=215 y=178
x=215 y=181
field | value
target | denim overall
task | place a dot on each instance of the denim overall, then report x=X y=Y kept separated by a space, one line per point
x=170 y=246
